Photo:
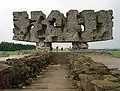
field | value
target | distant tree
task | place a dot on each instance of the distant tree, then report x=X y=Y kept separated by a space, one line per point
x=6 y=46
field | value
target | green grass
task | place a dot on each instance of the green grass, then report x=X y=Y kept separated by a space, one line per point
x=114 y=53
x=16 y=52
x=8 y=52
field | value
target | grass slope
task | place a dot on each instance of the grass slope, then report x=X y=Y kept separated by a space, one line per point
x=115 y=53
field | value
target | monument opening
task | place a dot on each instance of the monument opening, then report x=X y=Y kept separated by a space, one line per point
x=82 y=28
x=76 y=27
x=32 y=26
x=61 y=46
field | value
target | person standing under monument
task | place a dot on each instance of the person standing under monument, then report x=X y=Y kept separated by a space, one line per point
x=57 y=48
x=62 y=49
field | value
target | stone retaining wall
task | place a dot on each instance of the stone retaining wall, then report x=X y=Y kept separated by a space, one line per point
x=26 y=68
x=92 y=76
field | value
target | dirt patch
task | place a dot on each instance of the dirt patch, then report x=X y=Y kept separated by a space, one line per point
x=108 y=60
x=12 y=56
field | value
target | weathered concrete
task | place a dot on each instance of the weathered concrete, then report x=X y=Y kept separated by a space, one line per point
x=23 y=69
x=5 y=71
x=58 y=28
x=78 y=46
x=93 y=76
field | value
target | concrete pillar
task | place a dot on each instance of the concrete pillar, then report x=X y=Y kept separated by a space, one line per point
x=43 y=46
x=79 y=45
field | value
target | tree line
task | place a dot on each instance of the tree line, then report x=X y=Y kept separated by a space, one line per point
x=6 y=46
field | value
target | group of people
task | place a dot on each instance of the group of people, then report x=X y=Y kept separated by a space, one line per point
x=60 y=49
x=57 y=48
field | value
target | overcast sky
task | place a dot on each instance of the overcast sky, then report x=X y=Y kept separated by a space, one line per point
x=8 y=6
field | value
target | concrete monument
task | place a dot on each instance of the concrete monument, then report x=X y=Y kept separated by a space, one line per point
x=97 y=26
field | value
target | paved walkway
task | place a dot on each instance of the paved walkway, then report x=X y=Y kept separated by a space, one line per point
x=108 y=60
x=53 y=78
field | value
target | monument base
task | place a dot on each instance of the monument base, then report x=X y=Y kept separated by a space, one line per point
x=41 y=46
x=79 y=45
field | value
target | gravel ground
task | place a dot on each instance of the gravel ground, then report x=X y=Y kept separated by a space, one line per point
x=12 y=56
x=108 y=60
